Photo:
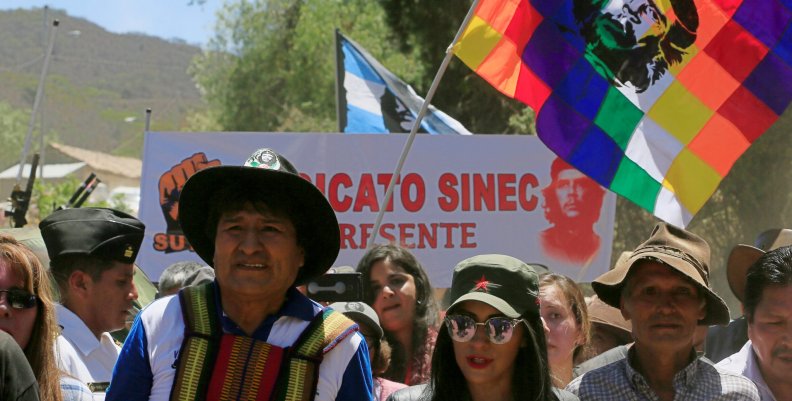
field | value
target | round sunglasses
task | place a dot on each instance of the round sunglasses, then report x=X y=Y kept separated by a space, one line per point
x=18 y=298
x=462 y=328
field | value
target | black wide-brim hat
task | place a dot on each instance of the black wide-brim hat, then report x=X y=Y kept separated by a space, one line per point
x=268 y=170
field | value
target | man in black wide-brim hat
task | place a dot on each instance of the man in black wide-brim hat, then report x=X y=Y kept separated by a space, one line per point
x=249 y=334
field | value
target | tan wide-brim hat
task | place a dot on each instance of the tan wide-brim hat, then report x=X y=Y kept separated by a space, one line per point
x=678 y=249
x=743 y=256
x=601 y=313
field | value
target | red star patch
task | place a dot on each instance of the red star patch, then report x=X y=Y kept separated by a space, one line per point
x=481 y=284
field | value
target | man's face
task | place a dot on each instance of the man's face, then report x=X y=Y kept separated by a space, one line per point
x=663 y=306
x=110 y=298
x=770 y=331
x=256 y=253
x=625 y=23
x=571 y=192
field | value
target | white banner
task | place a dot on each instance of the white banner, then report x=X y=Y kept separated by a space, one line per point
x=457 y=196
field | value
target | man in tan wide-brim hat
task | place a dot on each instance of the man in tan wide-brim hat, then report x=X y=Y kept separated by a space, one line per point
x=723 y=341
x=663 y=290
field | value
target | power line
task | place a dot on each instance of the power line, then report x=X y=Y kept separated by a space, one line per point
x=24 y=64
x=119 y=63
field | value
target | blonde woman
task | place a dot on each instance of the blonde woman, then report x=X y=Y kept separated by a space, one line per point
x=564 y=312
x=27 y=314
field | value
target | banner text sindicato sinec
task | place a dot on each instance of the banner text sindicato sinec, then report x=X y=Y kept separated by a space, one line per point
x=459 y=192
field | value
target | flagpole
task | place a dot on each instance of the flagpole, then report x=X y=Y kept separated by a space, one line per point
x=339 y=59
x=424 y=107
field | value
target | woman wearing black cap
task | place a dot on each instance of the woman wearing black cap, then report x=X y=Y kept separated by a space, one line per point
x=504 y=360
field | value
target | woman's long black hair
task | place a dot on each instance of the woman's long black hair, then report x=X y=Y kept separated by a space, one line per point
x=531 y=380
x=426 y=308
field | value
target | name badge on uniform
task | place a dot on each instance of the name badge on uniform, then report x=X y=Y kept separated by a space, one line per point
x=98 y=387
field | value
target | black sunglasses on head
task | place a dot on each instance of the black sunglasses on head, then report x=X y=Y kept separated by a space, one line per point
x=18 y=298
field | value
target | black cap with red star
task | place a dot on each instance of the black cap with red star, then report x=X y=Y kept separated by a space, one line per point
x=503 y=282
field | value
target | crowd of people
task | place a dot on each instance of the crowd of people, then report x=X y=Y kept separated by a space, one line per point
x=238 y=328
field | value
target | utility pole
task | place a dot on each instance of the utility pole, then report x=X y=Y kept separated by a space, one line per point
x=147 y=125
x=42 y=143
x=37 y=100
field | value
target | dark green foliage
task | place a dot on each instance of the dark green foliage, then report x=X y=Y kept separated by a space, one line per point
x=13 y=126
x=271 y=65
x=428 y=27
x=48 y=196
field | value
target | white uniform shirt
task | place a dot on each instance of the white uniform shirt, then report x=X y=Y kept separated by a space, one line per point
x=80 y=354
x=745 y=363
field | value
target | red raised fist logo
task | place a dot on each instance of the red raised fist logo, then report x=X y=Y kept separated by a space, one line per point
x=171 y=183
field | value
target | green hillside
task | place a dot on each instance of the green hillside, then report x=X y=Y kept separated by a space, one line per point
x=99 y=83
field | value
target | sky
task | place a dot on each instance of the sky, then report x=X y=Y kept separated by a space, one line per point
x=166 y=19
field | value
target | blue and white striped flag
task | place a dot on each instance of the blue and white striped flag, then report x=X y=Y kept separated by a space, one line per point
x=373 y=100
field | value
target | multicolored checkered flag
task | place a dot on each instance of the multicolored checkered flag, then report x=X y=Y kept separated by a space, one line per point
x=654 y=99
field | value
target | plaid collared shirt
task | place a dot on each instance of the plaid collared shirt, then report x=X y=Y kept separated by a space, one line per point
x=698 y=381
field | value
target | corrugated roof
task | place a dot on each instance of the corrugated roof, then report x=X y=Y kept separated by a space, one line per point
x=50 y=170
x=123 y=166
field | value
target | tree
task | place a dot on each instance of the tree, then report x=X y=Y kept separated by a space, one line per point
x=428 y=29
x=271 y=65
x=48 y=196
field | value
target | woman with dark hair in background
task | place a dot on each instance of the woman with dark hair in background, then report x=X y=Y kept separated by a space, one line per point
x=398 y=289
x=491 y=345
x=27 y=313
x=564 y=311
